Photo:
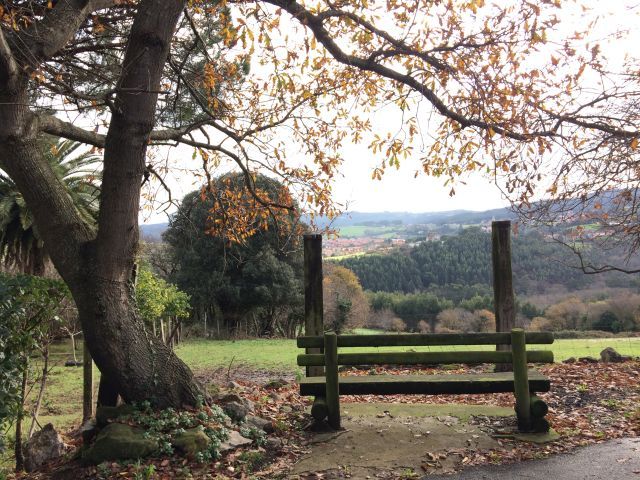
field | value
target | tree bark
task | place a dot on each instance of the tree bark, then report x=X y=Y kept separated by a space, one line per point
x=87 y=383
x=18 y=451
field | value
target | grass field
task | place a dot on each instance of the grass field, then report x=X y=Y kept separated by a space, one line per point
x=63 y=407
x=355 y=231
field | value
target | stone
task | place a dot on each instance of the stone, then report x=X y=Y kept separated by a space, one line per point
x=43 y=446
x=273 y=443
x=89 y=430
x=230 y=397
x=611 y=356
x=235 y=410
x=286 y=409
x=276 y=383
x=191 y=441
x=72 y=363
x=588 y=360
x=236 y=407
x=233 y=385
x=275 y=396
x=117 y=441
x=105 y=414
x=235 y=441
x=260 y=423
x=570 y=360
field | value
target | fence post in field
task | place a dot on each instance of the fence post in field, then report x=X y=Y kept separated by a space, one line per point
x=313 y=321
x=87 y=384
x=503 y=297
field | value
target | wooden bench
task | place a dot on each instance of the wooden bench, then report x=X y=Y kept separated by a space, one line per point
x=327 y=388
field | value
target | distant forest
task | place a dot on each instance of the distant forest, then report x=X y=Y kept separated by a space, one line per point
x=465 y=259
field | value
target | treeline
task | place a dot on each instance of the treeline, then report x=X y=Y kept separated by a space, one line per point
x=472 y=311
x=465 y=259
x=421 y=311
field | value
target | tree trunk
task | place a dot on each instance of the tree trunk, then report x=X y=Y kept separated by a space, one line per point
x=43 y=385
x=98 y=267
x=87 y=384
x=19 y=454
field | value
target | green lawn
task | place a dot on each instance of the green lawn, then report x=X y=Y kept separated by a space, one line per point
x=63 y=399
x=355 y=231
x=281 y=354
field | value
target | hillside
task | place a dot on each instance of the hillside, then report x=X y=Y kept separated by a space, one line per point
x=360 y=224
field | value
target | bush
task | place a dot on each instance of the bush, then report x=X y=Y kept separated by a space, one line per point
x=608 y=322
x=398 y=325
x=424 y=327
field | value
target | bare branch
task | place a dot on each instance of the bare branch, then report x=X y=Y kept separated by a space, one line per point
x=591 y=269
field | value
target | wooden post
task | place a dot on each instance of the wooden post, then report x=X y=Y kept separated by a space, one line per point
x=521 y=379
x=332 y=386
x=87 y=384
x=313 y=316
x=503 y=297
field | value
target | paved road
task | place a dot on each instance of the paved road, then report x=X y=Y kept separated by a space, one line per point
x=613 y=460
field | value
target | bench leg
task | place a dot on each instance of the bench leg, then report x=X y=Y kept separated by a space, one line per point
x=331 y=375
x=521 y=379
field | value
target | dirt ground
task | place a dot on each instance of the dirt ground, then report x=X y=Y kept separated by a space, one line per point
x=384 y=440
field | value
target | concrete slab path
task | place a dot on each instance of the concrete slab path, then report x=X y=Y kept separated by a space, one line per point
x=613 y=460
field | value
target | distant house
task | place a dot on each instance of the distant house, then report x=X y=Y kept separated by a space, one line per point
x=398 y=241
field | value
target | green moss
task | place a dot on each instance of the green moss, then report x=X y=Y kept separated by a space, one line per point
x=119 y=442
x=191 y=442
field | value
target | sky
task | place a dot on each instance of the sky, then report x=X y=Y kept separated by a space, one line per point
x=400 y=190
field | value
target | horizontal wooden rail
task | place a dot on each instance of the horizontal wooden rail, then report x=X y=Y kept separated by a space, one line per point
x=424 y=358
x=417 y=339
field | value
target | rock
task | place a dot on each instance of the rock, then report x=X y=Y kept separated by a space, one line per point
x=275 y=396
x=588 y=360
x=105 y=414
x=233 y=385
x=286 y=409
x=117 y=441
x=273 y=443
x=260 y=423
x=89 y=430
x=277 y=383
x=45 y=445
x=192 y=441
x=570 y=360
x=235 y=440
x=611 y=356
x=231 y=397
x=236 y=407
x=72 y=363
x=236 y=411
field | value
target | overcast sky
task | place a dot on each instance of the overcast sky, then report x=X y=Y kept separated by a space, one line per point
x=399 y=190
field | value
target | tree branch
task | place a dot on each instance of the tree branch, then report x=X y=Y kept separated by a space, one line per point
x=55 y=126
x=315 y=23
x=43 y=39
x=8 y=66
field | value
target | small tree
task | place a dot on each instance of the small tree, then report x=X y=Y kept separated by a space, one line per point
x=608 y=322
x=345 y=304
x=398 y=325
x=157 y=300
x=29 y=308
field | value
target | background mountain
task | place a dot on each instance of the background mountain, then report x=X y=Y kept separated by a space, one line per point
x=153 y=232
